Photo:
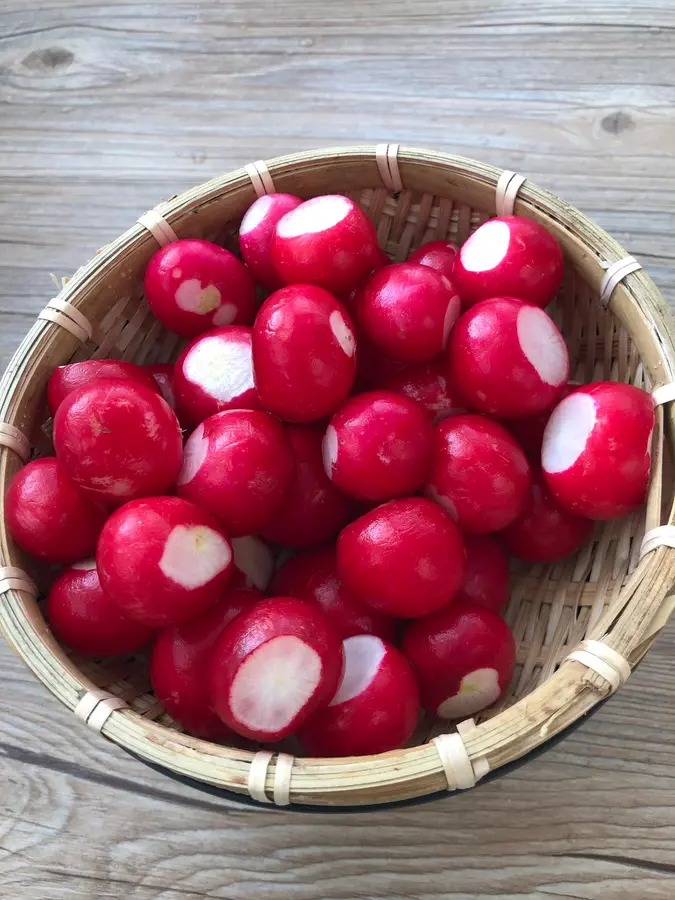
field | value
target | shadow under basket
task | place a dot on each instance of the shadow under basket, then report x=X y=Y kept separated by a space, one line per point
x=580 y=625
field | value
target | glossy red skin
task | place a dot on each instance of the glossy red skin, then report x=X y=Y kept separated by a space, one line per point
x=337 y=258
x=256 y=244
x=128 y=560
x=226 y=287
x=65 y=379
x=193 y=402
x=486 y=579
x=312 y=576
x=531 y=269
x=384 y=444
x=302 y=372
x=118 y=441
x=275 y=617
x=180 y=665
x=163 y=375
x=379 y=558
x=247 y=469
x=313 y=509
x=611 y=476
x=49 y=516
x=81 y=615
x=529 y=432
x=382 y=717
x=429 y=385
x=403 y=308
x=439 y=255
x=488 y=367
x=447 y=645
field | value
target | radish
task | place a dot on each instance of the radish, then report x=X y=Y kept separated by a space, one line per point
x=84 y=617
x=464 y=658
x=529 y=432
x=429 y=385
x=49 y=516
x=192 y=286
x=508 y=359
x=327 y=241
x=65 y=379
x=163 y=373
x=273 y=666
x=118 y=440
x=215 y=372
x=253 y=563
x=596 y=451
x=378 y=446
x=373 y=368
x=479 y=474
x=238 y=465
x=405 y=558
x=180 y=665
x=314 y=510
x=303 y=353
x=439 y=255
x=509 y=256
x=312 y=575
x=408 y=310
x=256 y=234
x=376 y=707
x=486 y=579
x=163 y=560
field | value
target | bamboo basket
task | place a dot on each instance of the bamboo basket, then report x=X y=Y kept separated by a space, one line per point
x=580 y=626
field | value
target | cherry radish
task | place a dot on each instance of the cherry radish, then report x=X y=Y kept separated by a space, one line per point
x=66 y=379
x=439 y=255
x=273 y=666
x=238 y=465
x=479 y=474
x=508 y=359
x=486 y=579
x=376 y=707
x=81 y=615
x=253 y=563
x=256 y=234
x=596 y=452
x=510 y=256
x=529 y=432
x=464 y=658
x=49 y=516
x=163 y=374
x=163 y=560
x=405 y=558
x=192 y=286
x=429 y=385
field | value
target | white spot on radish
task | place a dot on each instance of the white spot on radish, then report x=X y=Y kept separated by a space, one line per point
x=486 y=247
x=223 y=369
x=116 y=487
x=363 y=655
x=188 y=294
x=225 y=315
x=542 y=344
x=274 y=683
x=451 y=316
x=86 y=565
x=477 y=690
x=194 y=454
x=193 y=555
x=432 y=493
x=329 y=450
x=567 y=432
x=255 y=214
x=176 y=273
x=343 y=333
x=253 y=558
x=313 y=216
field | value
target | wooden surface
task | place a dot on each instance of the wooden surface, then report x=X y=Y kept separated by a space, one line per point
x=108 y=108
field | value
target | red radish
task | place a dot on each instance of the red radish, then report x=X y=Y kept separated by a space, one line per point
x=486 y=580
x=328 y=241
x=378 y=446
x=215 y=372
x=408 y=310
x=508 y=359
x=192 y=286
x=479 y=474
x=596 y=452
x=238 y=465
x=181 y=660
x=273 y=666
x=84 y=617
x=375 y=708
x=510 y=256
x=118 y=440
x=429 y=385
x=163 y=374
x=464 y=658
x=405 y=558
x=303 y=353
x=253 y=563
x=439 y=255
x=49 y=516
x=163 y=560
x=313 y=510
x=66 y=379
x=256 y=234
x=312 y=575
x=529 y=432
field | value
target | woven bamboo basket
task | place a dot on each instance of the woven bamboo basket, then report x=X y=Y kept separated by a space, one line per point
x=580 y=626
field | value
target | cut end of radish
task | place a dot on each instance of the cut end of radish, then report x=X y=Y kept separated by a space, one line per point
x=254 y=559
x=542 y=345
x=194 y=455
x=567 y=432
x=255 y=214
x=85 y=565
x=274 y=683
x=477 y=690
x=193 y=555
x=363 y=655
x=486 y=247
x=223 y=369
x=343 y=333
x=225 y=314
x=192 y=297
x=313 y=216
x=451 y=315
x=329 y=450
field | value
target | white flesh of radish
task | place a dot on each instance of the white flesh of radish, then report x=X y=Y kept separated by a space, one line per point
x=486 y=247
x=193 y=555
x=477 y=690
x=194 y=455
x=221 y=368
x=253 y=558
x=255 y=214
x=542 y=344
x=313 y=216
x=363 y=655
x=567 y=432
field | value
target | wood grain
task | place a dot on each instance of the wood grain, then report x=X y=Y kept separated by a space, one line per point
x=108 y=108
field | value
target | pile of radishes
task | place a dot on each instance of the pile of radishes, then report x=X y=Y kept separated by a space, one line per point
x=326 y=554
